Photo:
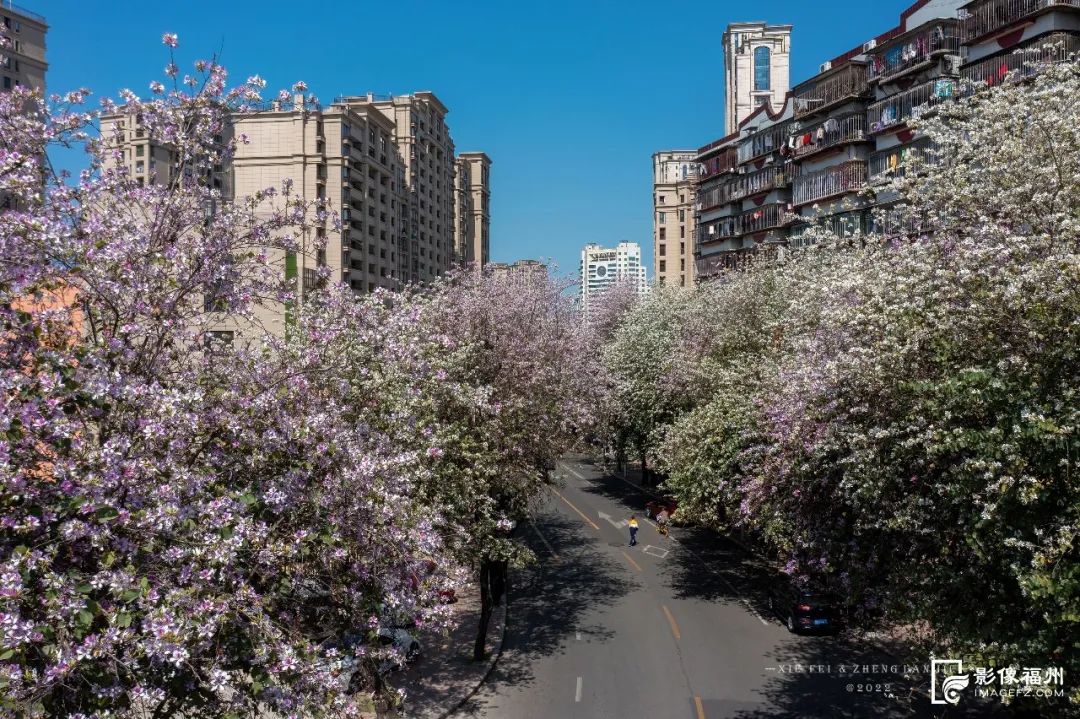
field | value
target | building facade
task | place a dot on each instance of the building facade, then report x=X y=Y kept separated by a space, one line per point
x=522 y=272
x=757 y=61
x=22 y=62
x=602 y=268
x=823 y=157
x=473 y=243
x=422 y=140
x=674 y=174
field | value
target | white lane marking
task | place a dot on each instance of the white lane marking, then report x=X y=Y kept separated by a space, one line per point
x=617 y=524
x=577 y=636
x=576 y=474
x=754 y=612
x=543 y=539
x=577 y=692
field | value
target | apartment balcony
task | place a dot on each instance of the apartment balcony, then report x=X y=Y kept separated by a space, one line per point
x=984 y=17
x=909 y=104
x=1022 y=62
x=722 y=229
x=755 y=183
x=846 y=224
x=837 y=180
x=830 y=133
x=764 y=142
x=725 y=161
x=896 y=162
x=766 y=217
x=817 y=95
x=912 y=51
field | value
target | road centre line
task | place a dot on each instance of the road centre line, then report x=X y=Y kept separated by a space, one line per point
x=700 y=709
x=577 y=692
x=671 y=621
x=632 y=562
x=582 y=514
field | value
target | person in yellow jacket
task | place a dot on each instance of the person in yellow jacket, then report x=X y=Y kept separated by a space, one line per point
x=633 y=530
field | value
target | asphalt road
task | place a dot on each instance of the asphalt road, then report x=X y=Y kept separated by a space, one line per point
x=674 y=627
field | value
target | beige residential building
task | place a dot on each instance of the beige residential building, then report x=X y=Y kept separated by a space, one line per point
x=427 y=153
x=463 y=217
x=757 y=59
x=522 y=272
x=343 y=154
x=477 y=245
x=674 y=175
x=22 y=62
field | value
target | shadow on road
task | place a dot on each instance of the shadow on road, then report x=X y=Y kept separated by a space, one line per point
x=549 y=599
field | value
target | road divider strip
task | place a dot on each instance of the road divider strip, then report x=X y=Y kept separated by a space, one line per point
x=671 y=621
x=632 y=562
x=700 y=709
x=577 y=691
x=580 y=513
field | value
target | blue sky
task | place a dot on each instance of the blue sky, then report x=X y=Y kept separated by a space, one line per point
x=570 y=98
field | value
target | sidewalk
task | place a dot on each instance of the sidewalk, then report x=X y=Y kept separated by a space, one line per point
x=446 y=676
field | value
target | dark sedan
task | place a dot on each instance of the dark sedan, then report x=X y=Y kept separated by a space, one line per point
x=806 y=611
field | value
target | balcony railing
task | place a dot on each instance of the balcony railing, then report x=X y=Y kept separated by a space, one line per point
x=1022 y=63
x=832 y=132
x=761 y=181
x=895 y=162
x=902 y=54
x=837 y=180
x=909 y=104
x=896 y=222
x=764 y=141
x=847 y=83
x=723 y=162
x=7 y=4
x=847 y=224
x=720 y=229
x=764 y=218
x=982 y=18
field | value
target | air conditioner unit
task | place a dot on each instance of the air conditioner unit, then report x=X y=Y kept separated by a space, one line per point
x=825 y=66
x=869 y=45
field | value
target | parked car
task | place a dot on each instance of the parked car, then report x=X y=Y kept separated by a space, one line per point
x=805 y=610
x=654 y=506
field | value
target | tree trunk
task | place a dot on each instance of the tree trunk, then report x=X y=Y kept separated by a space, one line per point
x=644 y=471
x=485 y=610
x=498 y=582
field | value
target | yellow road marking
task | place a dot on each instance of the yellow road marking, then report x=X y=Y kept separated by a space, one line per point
x=631 y=560
x=587 y=520
x=671 y=621
x=700 y=709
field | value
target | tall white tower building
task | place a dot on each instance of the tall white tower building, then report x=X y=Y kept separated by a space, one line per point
x=603 y=267
x=757 y=64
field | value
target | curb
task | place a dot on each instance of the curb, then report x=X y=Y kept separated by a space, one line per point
x=492 y=661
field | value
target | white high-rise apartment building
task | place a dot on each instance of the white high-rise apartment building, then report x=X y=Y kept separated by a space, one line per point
x=757 y=59
x=602 y=268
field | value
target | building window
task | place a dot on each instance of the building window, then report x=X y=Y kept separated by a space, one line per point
x=761 y=68
x=661 y=199
x=663 y=217
x=682 y=230
x=663 y=233
x=663 y=265
x=663 y=250
x=682 y=215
